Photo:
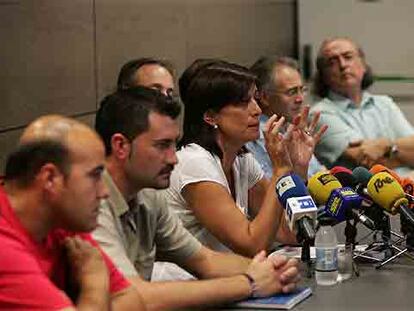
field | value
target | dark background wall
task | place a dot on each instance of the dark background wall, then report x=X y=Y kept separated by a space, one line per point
x=63 y=56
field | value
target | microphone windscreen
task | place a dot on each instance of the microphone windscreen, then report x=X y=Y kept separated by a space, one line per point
x=408 y=185
x=290 y=186
x=346 y=179
x=337 y=169
x=386 y=191
x=381 y=168
x=321 y=185
x=362 y=175
x=341 y=201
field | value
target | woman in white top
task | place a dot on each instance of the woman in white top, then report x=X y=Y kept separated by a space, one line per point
x=218 y=189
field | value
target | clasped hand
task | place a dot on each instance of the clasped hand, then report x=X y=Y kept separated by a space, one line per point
x=273 y=274
x=371 y=151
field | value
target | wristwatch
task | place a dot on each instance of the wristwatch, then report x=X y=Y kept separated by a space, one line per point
x=392 y=151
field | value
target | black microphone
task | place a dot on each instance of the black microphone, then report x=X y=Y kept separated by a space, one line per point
x=345 y=177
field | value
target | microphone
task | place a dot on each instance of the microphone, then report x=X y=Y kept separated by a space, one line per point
x=377 y=168
x=339 y=169
x=362 y=176
x=408 y=183
x=298 y=204
x=388 y=193
x=346 y=178
x=339 y=201
x=344 y=175
x=375 y=212
x=321 y=185
x=408 y=186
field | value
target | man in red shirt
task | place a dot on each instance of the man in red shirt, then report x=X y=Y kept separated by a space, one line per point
x=49 y=202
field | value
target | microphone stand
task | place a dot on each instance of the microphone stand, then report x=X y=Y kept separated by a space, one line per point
x=390 y=248
x=306 y=237
x=350 y=235
x=305 y=256
x=386 y=237
x=379 y=218
x=408 y=231
x=382 y=223
x=410 y=241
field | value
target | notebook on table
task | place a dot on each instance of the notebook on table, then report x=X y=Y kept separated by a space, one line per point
x=279 y=301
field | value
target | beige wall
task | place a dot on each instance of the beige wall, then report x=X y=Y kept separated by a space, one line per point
x=62 y=56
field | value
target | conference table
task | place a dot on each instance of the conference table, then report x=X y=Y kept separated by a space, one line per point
x=388 y=288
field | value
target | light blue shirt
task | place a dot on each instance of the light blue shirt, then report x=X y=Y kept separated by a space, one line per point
x=259 y=151
x=376 y=117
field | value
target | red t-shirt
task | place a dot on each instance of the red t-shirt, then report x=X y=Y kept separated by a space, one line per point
x=34 y=275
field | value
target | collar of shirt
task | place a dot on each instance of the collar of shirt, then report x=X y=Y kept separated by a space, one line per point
x=116 y=199
x=262 y=119
x=345 y=103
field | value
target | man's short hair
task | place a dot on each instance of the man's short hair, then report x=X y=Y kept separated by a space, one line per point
x=126 y=77
x=320 y=87
x=25 y=162
x=264 y=69
x=126 y=112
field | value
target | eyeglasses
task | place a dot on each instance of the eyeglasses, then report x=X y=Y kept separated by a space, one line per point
x=167 y=92
x=294 y=91
x=171 y=93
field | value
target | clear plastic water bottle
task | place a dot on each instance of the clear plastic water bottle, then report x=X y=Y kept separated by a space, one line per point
x=345 y=262
x=326 y=246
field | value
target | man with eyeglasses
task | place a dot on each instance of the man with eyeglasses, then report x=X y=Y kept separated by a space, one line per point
x=364 y=129
x=281 y=92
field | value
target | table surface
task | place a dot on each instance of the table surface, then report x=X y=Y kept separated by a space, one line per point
x=389 y=288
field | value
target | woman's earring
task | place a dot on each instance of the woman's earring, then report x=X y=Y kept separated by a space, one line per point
x=215 y=126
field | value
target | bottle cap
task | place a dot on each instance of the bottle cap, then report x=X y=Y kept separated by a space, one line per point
x=326 y=221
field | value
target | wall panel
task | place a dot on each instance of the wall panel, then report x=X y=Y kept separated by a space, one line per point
x=46 y=59
x=63 y=56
